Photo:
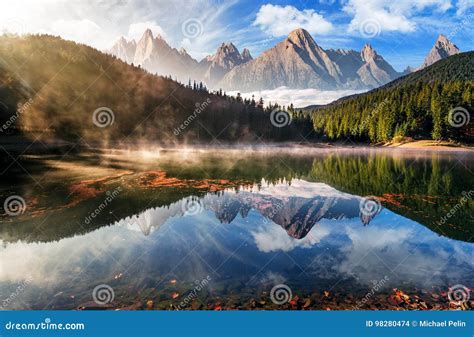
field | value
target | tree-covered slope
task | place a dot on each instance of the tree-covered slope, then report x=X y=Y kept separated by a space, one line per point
x=52 y=87
x=436 y=102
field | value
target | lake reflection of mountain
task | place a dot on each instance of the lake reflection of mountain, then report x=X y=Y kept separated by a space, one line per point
x=308 y=235
x=296 y=207
x=423 y=187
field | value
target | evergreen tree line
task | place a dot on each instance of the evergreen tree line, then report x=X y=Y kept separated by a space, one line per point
x=434 y=103
x=422 y=110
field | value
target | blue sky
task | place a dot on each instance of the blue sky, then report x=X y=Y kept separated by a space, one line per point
x=402 y=31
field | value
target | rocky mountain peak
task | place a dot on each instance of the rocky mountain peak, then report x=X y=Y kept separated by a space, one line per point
x=368 y=53
x=246 y=55
x=148 y=34
x=375 y=71
x=442 y=49
x=228 y=47
x=227 y=56
x=442 y=39
x=300 y=37
x=124 y=49
x=443 y=43
x=299 y=34
x=408 y=70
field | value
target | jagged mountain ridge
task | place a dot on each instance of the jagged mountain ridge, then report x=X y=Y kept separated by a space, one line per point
x=124 y=49
x=296 y=62
x=299 y=62
x=214 y=67
x=157 y=56
x=297 y=215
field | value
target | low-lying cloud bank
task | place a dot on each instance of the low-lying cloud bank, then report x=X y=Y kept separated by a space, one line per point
x=299 y=97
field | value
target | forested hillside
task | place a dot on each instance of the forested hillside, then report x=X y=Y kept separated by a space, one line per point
x=434 y=103
x=51 y=88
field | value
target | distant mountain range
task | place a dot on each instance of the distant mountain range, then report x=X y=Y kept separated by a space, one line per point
x=299 y=62
x=73 y=83
x=296 y=62
x=155 y=55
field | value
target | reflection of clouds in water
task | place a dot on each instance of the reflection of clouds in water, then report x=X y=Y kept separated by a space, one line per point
x=465 y=253
x=415 y=252
x=334 y=248
x=273 y=238
x=364 y=243
x=272 y=278
x=49 y=263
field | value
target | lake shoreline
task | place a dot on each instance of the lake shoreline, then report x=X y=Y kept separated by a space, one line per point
x=26 y=146
x=430 y=145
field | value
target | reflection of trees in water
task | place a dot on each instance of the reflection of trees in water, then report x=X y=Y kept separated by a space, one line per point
x=424 y=189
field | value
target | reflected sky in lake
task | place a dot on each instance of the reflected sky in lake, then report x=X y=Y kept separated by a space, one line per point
x=307 y=235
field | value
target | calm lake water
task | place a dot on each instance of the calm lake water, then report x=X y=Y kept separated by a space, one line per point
x=220 y=229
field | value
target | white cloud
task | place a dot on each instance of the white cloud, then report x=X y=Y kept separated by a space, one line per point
x=273 y=238
x=464 y=6
x=136 y=30
x=299 y=97
x=101 y=23
x=279 y=21
x=392 y=16
x=77 y=30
